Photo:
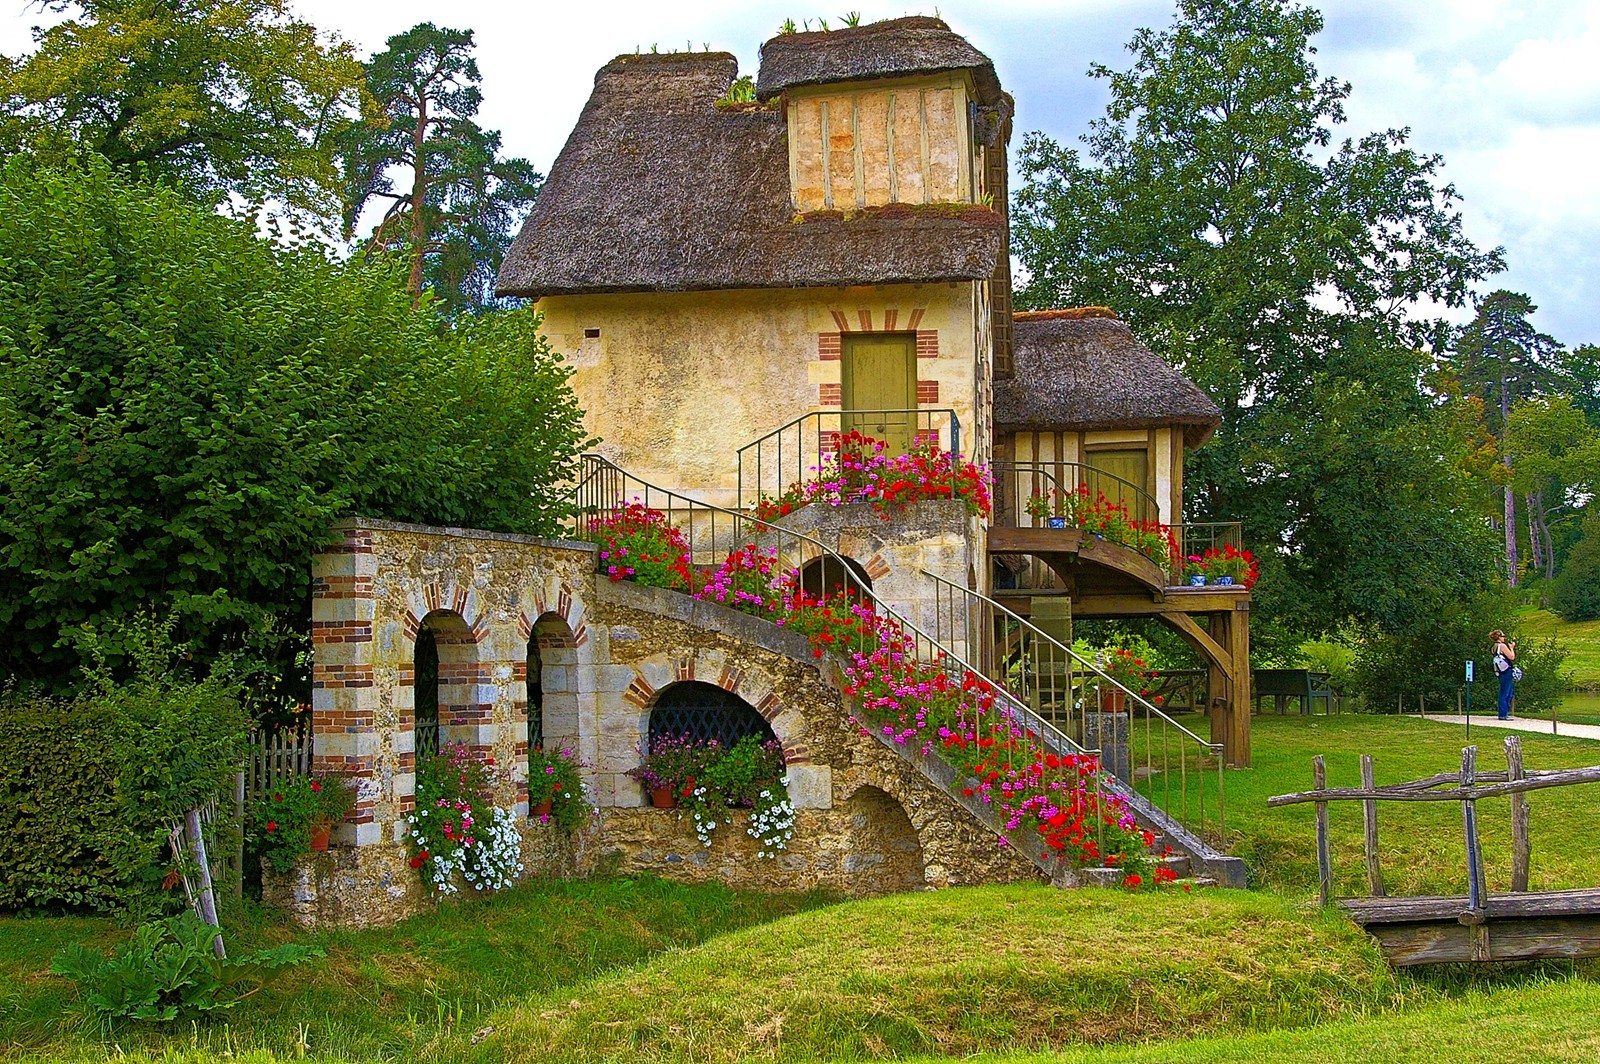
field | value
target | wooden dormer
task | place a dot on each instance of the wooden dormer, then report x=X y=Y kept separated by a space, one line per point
x=903 y=111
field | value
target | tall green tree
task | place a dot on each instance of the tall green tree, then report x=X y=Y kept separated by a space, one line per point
x=459 y=202
x=1292 y=275
x=1501 y=357
x=1557 y=463
x=185 y=408
x=230 y=96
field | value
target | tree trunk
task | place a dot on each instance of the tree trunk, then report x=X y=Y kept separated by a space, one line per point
x=1511 y=496
x=419 y=196
x=1537 y=547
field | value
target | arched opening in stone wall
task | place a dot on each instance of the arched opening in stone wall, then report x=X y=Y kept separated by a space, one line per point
x=705 y=712
x=552 y=705
x=824 y=577
x=444 y=670
x=883 y=854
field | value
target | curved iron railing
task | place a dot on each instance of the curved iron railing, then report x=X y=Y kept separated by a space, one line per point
x=790 y=453
x=1156 y=756
x=604 y=489
x=955 y=646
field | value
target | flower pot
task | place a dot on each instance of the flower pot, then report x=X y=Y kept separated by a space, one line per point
x=664 y=798
x=319 y=838
x=1113 y=700
x=542 y=809
x=1098 y=535
x=1197 y=579
x=1056 y=522
x=1225 y=581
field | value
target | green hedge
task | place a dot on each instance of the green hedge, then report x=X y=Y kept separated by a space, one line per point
x=65 y=841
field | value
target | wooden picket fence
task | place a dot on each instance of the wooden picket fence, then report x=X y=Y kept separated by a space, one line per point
x=274 y=759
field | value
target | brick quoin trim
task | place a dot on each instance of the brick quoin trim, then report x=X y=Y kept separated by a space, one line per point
x=927 y=343
x=353 y=543
x=830 y=394
x=730 y=678
x=341 y=631
x=927 y=392
x=829 y=346
x=335 y=676
x=341 y=587
x=639 y=692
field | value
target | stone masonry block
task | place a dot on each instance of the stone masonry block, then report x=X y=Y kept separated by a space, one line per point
x=361 y=744
x=811 y=786
x=343 y=609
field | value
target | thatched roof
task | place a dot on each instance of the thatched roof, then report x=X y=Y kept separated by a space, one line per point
x=896 y=48
x=1086 y=370
x=659 y=190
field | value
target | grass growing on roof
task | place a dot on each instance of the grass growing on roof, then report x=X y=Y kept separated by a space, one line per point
x=1421 y=844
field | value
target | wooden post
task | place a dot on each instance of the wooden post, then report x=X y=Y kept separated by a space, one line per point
x=1369 y=817
x=207 y=898
x=1319 y=780
x=1477 y=894
x=1521 y=849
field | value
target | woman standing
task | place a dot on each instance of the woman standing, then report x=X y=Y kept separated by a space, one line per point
x=1505 y=652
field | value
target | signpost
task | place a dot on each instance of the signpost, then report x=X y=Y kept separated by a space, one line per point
x=1469 y=698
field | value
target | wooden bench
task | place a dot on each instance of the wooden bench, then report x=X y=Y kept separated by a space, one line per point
x=1283 y=684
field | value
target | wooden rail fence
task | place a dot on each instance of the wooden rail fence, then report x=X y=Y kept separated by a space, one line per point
x=1427 y=930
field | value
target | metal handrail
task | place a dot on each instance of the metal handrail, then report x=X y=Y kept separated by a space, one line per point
x=774 y=453
x=973 y=603
x=599 y=493
x=1009 y=475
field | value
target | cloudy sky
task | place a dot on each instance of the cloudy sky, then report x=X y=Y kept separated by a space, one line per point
x=1508 y=92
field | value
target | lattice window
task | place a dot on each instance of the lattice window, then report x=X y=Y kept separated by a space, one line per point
x=425 y=695
x=703 y=712
x=535 y=698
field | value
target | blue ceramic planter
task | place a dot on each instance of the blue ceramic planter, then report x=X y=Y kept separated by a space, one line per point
x=1057 y=522
x=1197 y=579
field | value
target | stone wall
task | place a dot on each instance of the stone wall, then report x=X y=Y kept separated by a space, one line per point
x=674 y=383
x=868 y=820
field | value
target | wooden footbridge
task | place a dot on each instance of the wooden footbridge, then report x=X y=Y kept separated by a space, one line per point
x=1476 y=926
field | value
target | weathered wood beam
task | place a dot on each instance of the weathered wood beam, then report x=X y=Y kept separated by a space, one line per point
x=1319 y=776
x=1521 y=847
x=1369 y=819
x=1554 y=778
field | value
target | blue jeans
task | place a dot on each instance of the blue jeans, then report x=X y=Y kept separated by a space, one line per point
x=1507 y=688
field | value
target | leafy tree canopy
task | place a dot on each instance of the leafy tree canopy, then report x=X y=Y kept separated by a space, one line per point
x=186 y=408
x=1292 y=276
x=231 y=96
x=464 y=202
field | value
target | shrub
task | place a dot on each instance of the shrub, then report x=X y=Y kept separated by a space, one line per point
x=1333 y=658
x=167 y=971
x=64 y=838
x=185 y=408
x=1575 y=592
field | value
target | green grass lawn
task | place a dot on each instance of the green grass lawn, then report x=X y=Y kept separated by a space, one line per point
x=1581 y=638
x=640 y=969
x=1421 y=844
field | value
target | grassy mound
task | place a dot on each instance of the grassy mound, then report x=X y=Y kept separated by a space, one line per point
x=964 y=971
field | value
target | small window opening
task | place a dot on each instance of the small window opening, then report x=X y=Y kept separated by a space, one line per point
x=591 y=334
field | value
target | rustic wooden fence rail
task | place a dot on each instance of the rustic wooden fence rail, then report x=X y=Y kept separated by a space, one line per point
x=1419 y=930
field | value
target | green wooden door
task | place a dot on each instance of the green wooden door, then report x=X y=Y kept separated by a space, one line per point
x=880 y=374
x=1129 y=467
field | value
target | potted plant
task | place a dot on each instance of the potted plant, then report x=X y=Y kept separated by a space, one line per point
x=1194 y=570
x=1230 y=565
x=1042 y=511
x=555 y=788
x=298 y=817
x=669 y=766
x=1128 y=670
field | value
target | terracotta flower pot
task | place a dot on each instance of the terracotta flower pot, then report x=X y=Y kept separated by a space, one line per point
x=542 y=809
x=1113 y=701
x=664 y=798
x=319 y=838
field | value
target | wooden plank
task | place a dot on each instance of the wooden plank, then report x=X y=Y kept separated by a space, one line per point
x=1404 y=945
x=1369 y=818
x=1521 y=847
x=1533 y=781
x=1319 y=775
x=1533 y=903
